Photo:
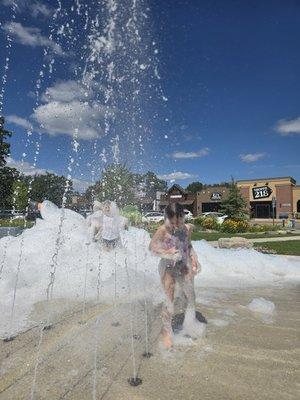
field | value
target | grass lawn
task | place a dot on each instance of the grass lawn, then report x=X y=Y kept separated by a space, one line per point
x=15 y=223
x=288 y=247
x=213 y=236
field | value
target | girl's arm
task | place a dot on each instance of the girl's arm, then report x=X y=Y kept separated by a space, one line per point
x=196 y=267
x=157 y=248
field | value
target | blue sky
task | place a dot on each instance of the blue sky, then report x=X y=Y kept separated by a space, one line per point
x=226 y=104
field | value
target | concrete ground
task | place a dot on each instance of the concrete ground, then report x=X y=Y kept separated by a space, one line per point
x=243 y=355
x=269 y=221
x=263 y=240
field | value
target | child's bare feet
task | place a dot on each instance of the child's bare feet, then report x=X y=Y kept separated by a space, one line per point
x=166 y=337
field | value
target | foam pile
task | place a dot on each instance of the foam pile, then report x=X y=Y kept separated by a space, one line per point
x=136 y=268
x=262 y=306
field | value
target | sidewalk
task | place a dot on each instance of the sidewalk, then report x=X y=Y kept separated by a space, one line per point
x=266 y=239
x=80 y=361
x=275 y=239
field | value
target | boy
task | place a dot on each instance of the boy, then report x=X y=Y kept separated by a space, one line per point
x=111 y=225
x=94 y=221
x=178 y=264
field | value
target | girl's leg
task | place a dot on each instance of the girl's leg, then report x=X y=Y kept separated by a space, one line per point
x=191 y=325
x=189 y=291
x=168 y=283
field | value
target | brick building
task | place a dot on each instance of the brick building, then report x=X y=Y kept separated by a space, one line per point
x=206 y=200
x=209 y=199
x=258 y=193
x=176 y=194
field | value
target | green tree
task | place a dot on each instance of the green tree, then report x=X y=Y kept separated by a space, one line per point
x=121 y=185
x=234 y=204
x=20 y=194
x=117 y=184
x=152 y=184
x=194 y=187
x=7 y=178
x=221 y=184
x=4 y=146
x=49 y=187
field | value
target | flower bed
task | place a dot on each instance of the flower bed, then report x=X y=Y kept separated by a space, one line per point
x=232 y=226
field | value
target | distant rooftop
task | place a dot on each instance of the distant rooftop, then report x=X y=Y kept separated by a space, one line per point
x=178 y=187
x=268 y=179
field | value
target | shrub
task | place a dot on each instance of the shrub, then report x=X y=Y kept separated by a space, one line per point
x=130 y=208
x=264 y=228
x=189 y=221
x=256 y=228
x=235 y=226
x=133 y=215
x=206 y=223
x=210 y=223
x=199 y=221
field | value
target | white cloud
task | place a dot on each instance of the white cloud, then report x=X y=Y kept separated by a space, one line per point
x=291 y=166
x=36 y=8
x=63 y=118
x=67 y=91
x=263 y=166
x=31 y=37
x=173 y=176
x=19 y=4
x=252 y=157
x=288 y=127
x=25 y=167
x=69 y=106
x=193 y=154
x=19 y=121
x=189 y=136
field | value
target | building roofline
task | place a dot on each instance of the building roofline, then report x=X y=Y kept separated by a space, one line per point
x=180 y=188
x=267 y=179
x=212 y=187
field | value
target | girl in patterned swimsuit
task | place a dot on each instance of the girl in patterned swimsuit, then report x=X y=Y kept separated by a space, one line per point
x=179 y=264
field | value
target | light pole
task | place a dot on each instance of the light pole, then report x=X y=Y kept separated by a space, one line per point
x=273 y=207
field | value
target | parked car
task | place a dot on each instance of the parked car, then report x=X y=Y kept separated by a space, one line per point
x=218 y=216
x=153 y=216
x=188 y=214
x=85 y=212
x=12 y=214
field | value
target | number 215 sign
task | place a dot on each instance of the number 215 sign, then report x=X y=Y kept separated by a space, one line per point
x=261 y=192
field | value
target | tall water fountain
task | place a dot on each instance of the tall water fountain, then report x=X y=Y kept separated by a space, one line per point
x=110 y=58
x=99 y=71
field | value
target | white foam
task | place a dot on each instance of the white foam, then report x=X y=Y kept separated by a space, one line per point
x=191 y=326
x=220 y=267
x=218 y=322
x=182 y=340
x=230 y=313
x=262 y=306
x=238 y=268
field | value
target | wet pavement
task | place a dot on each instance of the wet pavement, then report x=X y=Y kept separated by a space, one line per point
x=242 y=356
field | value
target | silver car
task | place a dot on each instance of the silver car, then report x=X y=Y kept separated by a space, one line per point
x=218 y=216
x=153 y=216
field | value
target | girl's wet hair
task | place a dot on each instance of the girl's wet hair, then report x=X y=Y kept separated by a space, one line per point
x=174 y=210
